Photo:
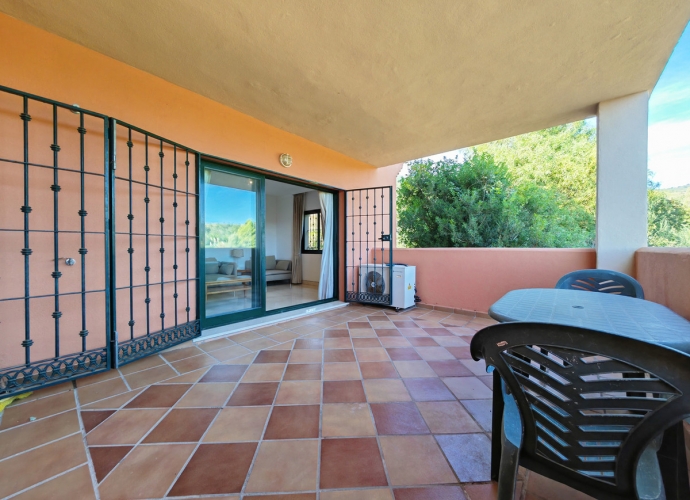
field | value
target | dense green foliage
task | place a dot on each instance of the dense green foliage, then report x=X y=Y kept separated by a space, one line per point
x=478 y=203
x=532 y=190
x=562 y=158
x=220 y=235
x=668 y=220
x=680 y=193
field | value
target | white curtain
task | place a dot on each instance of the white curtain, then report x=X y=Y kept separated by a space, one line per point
x=326 y=278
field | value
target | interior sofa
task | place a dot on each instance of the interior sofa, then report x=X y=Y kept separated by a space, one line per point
x=276 y=270
x=219 y=271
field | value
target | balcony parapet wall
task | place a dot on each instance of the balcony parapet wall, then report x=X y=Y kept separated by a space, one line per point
x=665 y=276
x=474 y=278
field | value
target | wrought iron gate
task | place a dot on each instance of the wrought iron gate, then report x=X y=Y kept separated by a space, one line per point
x=154 y=214
x=368 y=245
x=65 y=259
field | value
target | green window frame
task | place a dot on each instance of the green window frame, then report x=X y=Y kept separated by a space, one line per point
x=312 y=237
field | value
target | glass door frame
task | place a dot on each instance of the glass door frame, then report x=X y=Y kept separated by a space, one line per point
x=258 y=265
x=224 y=165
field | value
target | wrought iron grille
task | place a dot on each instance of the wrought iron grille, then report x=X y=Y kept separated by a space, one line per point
x=74 y=252
x=155 y=234
x=368 y=245
x=54 y=286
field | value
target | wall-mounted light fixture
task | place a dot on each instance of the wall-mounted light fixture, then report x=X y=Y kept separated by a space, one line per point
x=286 y=160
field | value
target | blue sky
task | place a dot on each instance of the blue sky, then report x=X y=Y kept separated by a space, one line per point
x=669 y=119
x=228 y=205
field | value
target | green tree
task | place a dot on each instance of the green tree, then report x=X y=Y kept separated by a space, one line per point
x=561 y=158
x=668 y=220
x=535 y=189
x=221 y=235
x=477 y=203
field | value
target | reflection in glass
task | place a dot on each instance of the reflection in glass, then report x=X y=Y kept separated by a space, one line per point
x=230 y=229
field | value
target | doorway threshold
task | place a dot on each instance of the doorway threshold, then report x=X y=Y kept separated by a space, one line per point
x=252 y=324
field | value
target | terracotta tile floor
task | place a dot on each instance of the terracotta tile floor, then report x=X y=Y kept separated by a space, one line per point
x=355 y=403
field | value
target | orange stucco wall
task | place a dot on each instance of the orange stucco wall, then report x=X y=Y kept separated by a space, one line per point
x=40 y=63
x=36 y=61
x=664 y=274
x=475 y=278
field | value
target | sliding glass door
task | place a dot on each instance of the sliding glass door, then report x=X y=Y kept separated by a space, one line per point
x=232 y=279
x=266 y=245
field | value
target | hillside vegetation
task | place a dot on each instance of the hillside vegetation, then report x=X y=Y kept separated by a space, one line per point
x=680 y=193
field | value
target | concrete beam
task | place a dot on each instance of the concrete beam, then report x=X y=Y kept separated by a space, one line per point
x=621 y=226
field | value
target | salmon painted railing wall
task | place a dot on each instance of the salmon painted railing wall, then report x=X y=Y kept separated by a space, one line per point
x=474 y=278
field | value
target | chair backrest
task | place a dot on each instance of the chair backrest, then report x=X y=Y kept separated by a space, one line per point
x=603 y=281
x=590 y=402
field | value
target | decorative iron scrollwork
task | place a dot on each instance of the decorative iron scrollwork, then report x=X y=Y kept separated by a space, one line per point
x=143 y=346
x=39 y=374
x=372 y=298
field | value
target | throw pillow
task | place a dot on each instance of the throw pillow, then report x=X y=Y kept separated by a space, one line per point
x=212 y=266
x=283 y=265
x=227 y=268
x=270 y=262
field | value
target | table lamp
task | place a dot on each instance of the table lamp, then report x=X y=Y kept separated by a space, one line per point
x=236 y=253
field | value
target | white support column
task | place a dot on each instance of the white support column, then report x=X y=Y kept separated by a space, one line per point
x=621 y=181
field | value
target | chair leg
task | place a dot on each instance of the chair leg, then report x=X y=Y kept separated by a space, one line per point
x=510 y=457
x=673 y=463
x=496 y=423
x=511 y=441
x=649 y=483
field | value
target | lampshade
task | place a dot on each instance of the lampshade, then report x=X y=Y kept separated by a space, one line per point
x=237 y=252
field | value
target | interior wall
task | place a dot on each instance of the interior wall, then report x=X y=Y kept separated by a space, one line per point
x=271 y=224
x=284 y=208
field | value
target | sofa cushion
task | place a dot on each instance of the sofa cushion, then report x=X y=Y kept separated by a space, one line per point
x=274 y=272
x=248 y=265
x=283 y=265
x=210 y=278
x=227 y=268
x=278 y=275
x=270 y=262
x=212 y=266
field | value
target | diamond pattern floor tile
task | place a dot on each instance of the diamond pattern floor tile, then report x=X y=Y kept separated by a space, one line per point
x=351 y=463
x=311 y=406
x=215 y=469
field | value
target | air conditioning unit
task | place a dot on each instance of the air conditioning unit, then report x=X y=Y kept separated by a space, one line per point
x=381 y=284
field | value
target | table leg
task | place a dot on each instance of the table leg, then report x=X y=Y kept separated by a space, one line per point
x=673 y=463
x=496 y=424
